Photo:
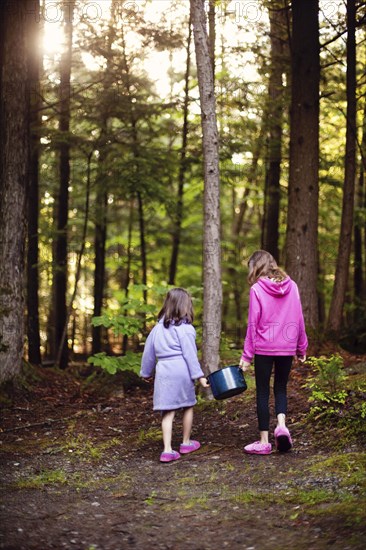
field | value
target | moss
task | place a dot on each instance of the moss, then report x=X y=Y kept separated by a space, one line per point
x=349 y=467
x=152 y=434
x=43 y=479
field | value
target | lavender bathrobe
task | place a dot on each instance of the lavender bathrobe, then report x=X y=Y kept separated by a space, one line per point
x=177 y=366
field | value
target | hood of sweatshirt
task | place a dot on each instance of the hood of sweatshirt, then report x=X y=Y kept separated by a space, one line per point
x=274 y=288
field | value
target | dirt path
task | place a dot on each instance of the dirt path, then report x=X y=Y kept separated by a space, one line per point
x=83 y=473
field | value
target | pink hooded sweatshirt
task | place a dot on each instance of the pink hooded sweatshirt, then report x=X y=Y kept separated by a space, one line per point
x=275 y=320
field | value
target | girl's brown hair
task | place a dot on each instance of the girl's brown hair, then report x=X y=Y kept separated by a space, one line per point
x=263 y=264
x=177 y=308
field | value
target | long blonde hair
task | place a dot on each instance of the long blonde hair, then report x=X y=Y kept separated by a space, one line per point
x=263 y=264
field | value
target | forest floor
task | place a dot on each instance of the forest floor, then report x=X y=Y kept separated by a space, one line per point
x=80 y=470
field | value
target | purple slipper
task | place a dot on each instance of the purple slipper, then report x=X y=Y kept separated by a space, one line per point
x=169 y=457
x=283 y=439
x=192 y=446
x=258 y=448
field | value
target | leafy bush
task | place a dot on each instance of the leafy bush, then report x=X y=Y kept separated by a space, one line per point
x=327 y=387
x=336 y=399
x=112 y=364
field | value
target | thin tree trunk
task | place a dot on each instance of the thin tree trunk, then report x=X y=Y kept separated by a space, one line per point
x=212 y=33
x=79 y=259
x=100 y=237
x=126 y=282
x=182 y=167
x=358 y=277
x=142 y=244
x=270 y=233
x=345 y=237
x=14 y=164
x=303 y=189
x=136 y=154
x=212 y=290
x=63 y=193
x=35 y=61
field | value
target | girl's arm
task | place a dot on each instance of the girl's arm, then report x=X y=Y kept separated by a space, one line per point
x=187 y=339
x=148 y=361
x=253 y=318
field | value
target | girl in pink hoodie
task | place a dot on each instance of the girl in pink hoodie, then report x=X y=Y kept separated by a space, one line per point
x=275 y=334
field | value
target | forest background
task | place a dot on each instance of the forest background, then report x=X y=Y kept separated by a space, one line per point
x=102 y=184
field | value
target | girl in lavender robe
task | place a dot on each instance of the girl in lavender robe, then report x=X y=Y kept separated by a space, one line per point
x=172 y=342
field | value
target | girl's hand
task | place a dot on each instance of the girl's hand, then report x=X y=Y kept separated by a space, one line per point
x=204 y=382
x=243 y=365
x=302 y=358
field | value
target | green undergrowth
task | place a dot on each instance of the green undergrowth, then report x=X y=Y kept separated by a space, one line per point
x=337 y=412
x=84 y=447
x=77 y=480
x=349 y=468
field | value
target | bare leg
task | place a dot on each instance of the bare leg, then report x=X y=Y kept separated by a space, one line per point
x=187 y=425
x=167 y=427
x=281 y=420
x=263 y=437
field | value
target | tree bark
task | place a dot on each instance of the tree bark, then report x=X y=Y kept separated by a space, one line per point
x=34 y=62
x=272 y=196
x=212 y=33
x=14 y=172
x=182 y=167
x=345 y=237
x=79 y=259
x=303 y=188
x=212 y=289
x=358 y=275
x=63 y=192
x=100 y=237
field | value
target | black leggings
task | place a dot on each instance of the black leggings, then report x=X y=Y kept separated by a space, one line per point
x=263 y=368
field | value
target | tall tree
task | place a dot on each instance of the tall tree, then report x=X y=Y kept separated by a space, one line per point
x=212 y=289
x=60 y=273
x=303 y=187
x=345 y=237
x=177 y=228
x=101 y=205
x=358 y=275
x=278 y=62
x=14 y=164
x=34 y=62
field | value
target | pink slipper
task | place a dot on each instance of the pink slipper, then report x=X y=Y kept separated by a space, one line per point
x=168 y=457
x=258 y=448
x=193 y=446
x=283 y=439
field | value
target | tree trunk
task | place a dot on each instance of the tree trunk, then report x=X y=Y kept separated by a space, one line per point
x=126 y=282
x=63 y=192
x=14 y=172
x=303 y=189
x=345 y=237
x=34 y=61
x=100 y=239
x=182 y=167
x=142 y=244
x=212 y=33
x=270 y=232
x=79 y=260
x=358 y=276
x=212 y=290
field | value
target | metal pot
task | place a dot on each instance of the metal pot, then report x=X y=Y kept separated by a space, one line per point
x=227 y=382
